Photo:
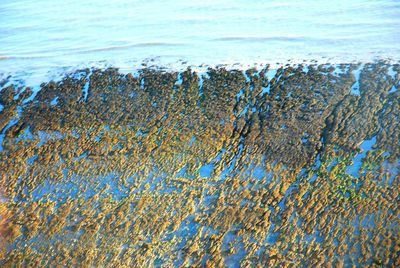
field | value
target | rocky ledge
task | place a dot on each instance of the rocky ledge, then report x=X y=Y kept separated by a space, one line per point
x=295 y=166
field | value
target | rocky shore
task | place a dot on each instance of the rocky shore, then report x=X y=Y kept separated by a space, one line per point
x=295 y=166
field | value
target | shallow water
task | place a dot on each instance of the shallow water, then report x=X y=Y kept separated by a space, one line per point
x=39 y=37
x=184 y=169
x=181 y=169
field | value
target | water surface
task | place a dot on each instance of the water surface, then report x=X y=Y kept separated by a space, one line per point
x=41 y=36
